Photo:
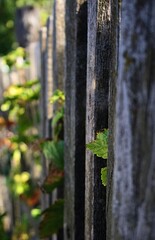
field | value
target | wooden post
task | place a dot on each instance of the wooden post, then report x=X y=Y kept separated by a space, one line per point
x=114 y=35
x=43 y=106
x=75 y=90
x=98 y=73
x=134 y=178
x=58 y=43
x=49 y=77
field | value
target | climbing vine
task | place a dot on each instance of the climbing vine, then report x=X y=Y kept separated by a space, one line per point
x=100 y=148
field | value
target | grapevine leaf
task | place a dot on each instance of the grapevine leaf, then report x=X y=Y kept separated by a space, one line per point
x=100 y=145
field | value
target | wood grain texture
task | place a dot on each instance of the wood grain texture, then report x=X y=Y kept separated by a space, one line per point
x=134 y=178
x=114 y=40
x=98 y=73
x=75 y=89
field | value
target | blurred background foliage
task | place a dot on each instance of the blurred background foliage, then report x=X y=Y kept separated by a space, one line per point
x=20 y=143
x=21 y=146
x=7 y=20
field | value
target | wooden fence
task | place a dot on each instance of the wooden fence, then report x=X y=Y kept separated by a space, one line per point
x=78 y=56
x=85 y=50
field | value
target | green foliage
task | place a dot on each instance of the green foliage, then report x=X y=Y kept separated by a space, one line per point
x=52 y=219
x=17 y=100
x=104 y=176
x=7 y=20
x=3 y=234
x=58 y=96
x=7 y=35
x=100 y=148
x=36 y=212
x=100 y=145
x=58 y=116
x=19 y=103
x=15 y=58
x=19 y=183
x=21 y=3
x=54 y=151
x=58 y=100
x=22 y=229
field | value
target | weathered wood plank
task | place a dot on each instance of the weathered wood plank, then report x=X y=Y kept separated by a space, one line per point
x=49 y=77
x=98 y=72
x=58 y=43
x=114 y=35
x=134 y=178
x=75 y=89
x=58 y=67
x=43 y=107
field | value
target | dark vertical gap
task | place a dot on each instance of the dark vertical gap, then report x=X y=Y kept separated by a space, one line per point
x=80 y=112
x=102 y=72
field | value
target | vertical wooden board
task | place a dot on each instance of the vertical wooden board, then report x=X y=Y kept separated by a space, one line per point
x=58 y=54
x=43 y=106
x=43 y=35
x=75 y=90
x=34 y=57
x=114 y=35
x=134 y=178
x=58 y=43
x=98 y=72
x=49 y=77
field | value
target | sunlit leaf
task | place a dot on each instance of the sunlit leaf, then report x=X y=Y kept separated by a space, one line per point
x=35 y=212
x=25 y=176
x=57 y=117
x=100 y=145
x=58 y=96
x=104 y=176
x=5 y=106
x=16 y=156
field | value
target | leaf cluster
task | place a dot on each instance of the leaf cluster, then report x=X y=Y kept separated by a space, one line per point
x=54 y=151
x=100 y=148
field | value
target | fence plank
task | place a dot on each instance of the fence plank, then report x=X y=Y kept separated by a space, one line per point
x=75 y=89
x=134 y=178
x=43 y=106
x=58 y=43
x=98 y=72
x=114 y=35
x=49 y=77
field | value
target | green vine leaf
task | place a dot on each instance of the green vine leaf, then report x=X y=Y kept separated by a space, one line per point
x=54 y=151
x=58 y=96
x=104 y=176
x=52 y=219
x=100 y=145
